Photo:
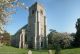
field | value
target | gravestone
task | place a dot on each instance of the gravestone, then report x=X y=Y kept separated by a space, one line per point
x=1 y=44
x=49 y=51
x=29 y=52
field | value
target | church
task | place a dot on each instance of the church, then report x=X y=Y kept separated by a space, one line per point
x=36 y=26
x=35 y=29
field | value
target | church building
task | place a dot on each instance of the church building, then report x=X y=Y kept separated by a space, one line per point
x=35 y=31
x=36 y=37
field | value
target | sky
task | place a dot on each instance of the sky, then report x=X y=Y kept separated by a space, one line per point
x=61 y=15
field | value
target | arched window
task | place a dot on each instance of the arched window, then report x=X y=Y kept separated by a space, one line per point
x=33 y=12
x=41 y=12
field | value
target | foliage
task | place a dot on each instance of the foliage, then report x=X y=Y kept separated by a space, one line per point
x=73 y=42
x=59 y=40
x=63 y=39
x=77 y=36
x=5 y=39
x=50 y=43
x=7 y=7
x=50 y=36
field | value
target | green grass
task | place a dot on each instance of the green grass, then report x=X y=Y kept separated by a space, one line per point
x=12 y=50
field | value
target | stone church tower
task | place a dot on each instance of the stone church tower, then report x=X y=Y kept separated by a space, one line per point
x=36 y=27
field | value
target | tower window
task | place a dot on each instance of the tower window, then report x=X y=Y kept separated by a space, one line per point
x=33 y=11
x=41 y=12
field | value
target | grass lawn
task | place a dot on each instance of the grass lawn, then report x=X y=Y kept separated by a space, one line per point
x=12 y=50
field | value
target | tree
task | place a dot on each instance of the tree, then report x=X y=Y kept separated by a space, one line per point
x=77 y=36
x=7 y=7
x=50 y=43
x=60 y=40
x=5 y=38
x=73 y=35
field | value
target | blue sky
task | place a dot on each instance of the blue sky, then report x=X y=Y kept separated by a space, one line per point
x=61 y=15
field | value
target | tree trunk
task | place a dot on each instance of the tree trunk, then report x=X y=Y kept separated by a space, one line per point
x=58 y=52
x=58 y=49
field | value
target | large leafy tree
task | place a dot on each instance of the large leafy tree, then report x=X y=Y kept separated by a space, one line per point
x=5 y=38
x=77 y=36
x=59 y=40
x=50 y=43
x=7 y=7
